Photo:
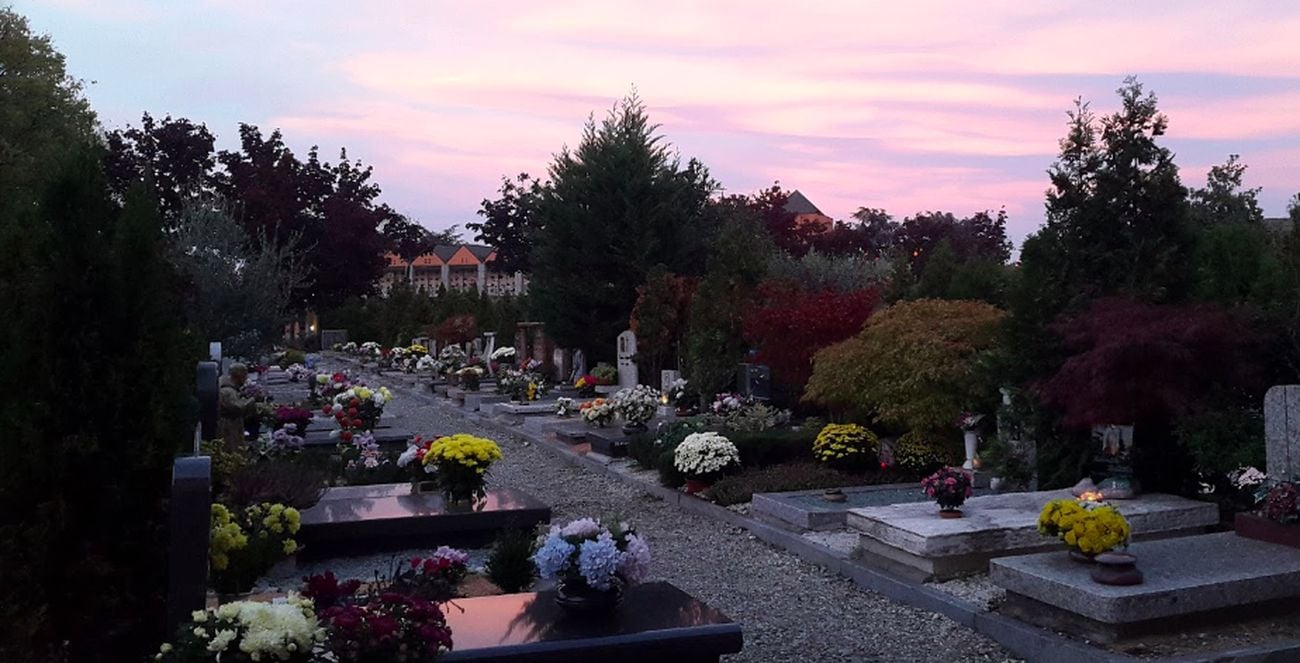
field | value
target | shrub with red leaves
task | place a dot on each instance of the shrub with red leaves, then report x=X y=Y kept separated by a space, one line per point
x=789 y=326
x=457 y=329
x=1137 y=362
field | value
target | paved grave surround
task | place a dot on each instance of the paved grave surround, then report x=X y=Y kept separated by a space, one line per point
x=807 y=510
x=369 y=519
x=609 y=441
x=912 y=538
x=552 y=424
x=1204 y=579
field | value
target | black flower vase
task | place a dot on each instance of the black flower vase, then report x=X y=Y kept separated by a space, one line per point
x=578 y=598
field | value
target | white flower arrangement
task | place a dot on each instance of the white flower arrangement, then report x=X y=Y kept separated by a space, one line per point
x=287 y=631
x=598 y=412
x=350 y=347
x=298 y=373
x=425 y=363
x=636 y=405
x=705 y=454
x=504 y=353
x=563 y=406
x=371 y=349
x=676 y=390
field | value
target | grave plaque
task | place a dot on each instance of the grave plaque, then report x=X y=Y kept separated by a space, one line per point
x=206 y=390
x=627 y=368
x=1282 y=431
x=1112 y=464
x=755 y=380
x=188 y=525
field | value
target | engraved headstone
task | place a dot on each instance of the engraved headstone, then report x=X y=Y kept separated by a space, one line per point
x=627 y=368
x=1282 y=431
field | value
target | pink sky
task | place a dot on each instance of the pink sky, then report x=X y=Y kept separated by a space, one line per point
x=906 y=106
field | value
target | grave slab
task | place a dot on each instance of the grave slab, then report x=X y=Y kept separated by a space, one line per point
x=608 y=441
x=1206 y=579
x=807 y=510
x=381 y=517
x=655 y=622
x=572 y=435
x=321 y=438
x=474 y=401
x=551 y=424
x=914 y=536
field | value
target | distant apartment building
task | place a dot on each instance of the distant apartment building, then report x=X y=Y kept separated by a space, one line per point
x=463 y=267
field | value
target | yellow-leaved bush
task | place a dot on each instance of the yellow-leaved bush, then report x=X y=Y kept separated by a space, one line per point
x=847 y=446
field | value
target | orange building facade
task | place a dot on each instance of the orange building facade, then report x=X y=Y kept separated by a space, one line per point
x=463 y=267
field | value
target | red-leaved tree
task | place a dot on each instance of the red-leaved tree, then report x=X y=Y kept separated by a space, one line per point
x=1135 y=362
x=457 y=329
x=788 y=326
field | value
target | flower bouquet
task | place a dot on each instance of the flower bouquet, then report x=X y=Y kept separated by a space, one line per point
x=243 y=546
x=848 y=447
x=564 y=406
x=969 y=421
x=350 y=348
x=504 y=358
x=949 y=487
x=450 y=359
x=597 y=413
x=299 y=373
x=371 y=350
x=358 y=409
x=592 y=561
x=462 y=461
x=469 y=377
x=279 y=443
x=423 y=476
x=636 y=406
x=1088 y=528
x=248 y=630
x=294 y=418
x=703 y=458
x=328 y=385
x=425 y=364
x=604 y=374
x=433 y=578
x=586 y=386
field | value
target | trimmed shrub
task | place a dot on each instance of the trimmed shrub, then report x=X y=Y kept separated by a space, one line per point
x=847 y=447
x=510 y=564
x=926 y=451
x=778 y=445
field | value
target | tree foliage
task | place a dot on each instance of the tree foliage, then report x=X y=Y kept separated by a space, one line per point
x=914 y=366
x=871 y=233
x=1138 y=362
x=510 y=221
x=172 y=159
x=1223 y=200
x=616 y=206
x=980 y=236
x=788 y=324
x=659 y=319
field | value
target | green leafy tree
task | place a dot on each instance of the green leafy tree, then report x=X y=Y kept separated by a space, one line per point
x=173 y=159
x=94 y=346
x=915 y=366
x=510 y=221
x=43 y=113
x=1223 y=200
x=616 y=206
x=659 y=319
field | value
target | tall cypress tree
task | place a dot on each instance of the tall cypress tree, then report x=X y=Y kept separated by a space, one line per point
x=616 y=206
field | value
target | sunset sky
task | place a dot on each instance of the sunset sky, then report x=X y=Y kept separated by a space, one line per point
x=908 y=106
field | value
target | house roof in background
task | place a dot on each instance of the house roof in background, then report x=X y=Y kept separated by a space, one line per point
x=799 y=204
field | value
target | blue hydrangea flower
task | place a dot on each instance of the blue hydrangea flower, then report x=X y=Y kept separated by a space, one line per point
x=552 y=558
x=598 y=561
x=636 y=560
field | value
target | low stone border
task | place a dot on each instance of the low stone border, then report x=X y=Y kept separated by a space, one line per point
x=1025 y=640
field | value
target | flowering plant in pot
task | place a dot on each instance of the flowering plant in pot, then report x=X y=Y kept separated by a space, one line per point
x=636 y=406
x=604 y=374
x=462 y=461
x=597 y=413
x=470 y=377
x=848 y=447
x=1088 y=528
x=592 y=561
x=424 y=477
x=299 y=373
x=279 y=443
x=359 y=408
x=387 y=627
x=433 y=578
x=248 y=631
x=564 y=406
x=949 y=487
x=295 y=417
x=243 y=545
x=503 y=357
x=586 y=386
x=703 y=458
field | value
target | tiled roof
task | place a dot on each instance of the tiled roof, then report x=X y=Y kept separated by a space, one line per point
x=799 y=204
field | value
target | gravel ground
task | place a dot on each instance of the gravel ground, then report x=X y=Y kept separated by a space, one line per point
x=789 y=609
x=977 y=589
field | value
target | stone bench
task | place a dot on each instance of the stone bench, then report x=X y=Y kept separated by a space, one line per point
x=1197 y=580
x=655 y=622
x=353 y=520
x=913 y=540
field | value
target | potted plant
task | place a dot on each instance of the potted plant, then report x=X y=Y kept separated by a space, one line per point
x=1088 y=528
x=470 y=377
x=591 y=562
x=423 y=475
x=846 y=447
x=949 y=487
x=597 y=413
x=564 y=407
x=1278 y=520
x=433 y=578
x=462 y=461
x=704 y=457
x=636 y=406
x=679 y=397
x=248 y=630
x=586 y=386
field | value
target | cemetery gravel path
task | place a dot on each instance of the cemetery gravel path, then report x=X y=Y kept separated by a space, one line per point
x=790 y=610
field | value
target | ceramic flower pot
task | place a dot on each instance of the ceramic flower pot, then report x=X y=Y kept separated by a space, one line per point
x=1115 y=568
x=579 y=599
x=834 y=495
x=950 y=513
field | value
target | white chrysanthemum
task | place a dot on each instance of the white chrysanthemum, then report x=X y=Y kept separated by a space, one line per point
x=705 y=453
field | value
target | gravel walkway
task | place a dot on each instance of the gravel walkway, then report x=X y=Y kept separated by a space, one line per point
x=790 y=610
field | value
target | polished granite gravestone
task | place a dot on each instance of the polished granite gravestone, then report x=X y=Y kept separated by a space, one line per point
x=1195 y=580
x=572 y=435
x=913 y=540
x=655 y=622
x=551 y=424
x=368 y=519
x=608 y=441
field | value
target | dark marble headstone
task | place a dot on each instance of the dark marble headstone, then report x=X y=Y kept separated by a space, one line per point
x=369 y=519
x=608 y=441
x=188 y=525
x=755 y=380
x=655 y=622
x=571 y=436
x=205 y=389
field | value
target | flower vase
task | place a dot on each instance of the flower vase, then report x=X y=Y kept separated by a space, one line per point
x=424 y=487
x=578 y=598
x=1115 y=568
x=971 y=441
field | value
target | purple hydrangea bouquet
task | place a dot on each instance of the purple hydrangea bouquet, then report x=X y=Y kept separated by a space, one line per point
x=591 y=562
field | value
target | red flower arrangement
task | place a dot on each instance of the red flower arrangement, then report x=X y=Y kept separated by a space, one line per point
x=392 y=627
x=949 y=487
x=1281 y=503
x=326 y=591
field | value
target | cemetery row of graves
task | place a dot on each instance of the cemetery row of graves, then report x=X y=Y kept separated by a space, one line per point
x=1103 y=562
